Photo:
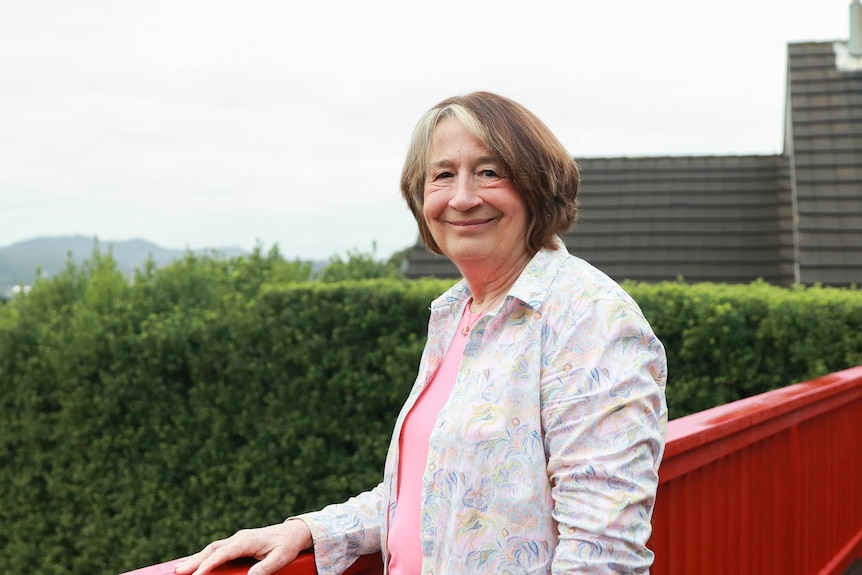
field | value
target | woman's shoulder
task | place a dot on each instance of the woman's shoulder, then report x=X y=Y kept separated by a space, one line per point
x=556 y=278
x=579 y=275
x=579 y=285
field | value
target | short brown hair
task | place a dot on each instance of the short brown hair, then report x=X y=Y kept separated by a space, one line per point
x=542 y=172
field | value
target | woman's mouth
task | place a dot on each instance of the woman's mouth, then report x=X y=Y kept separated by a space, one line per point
x=471 y=224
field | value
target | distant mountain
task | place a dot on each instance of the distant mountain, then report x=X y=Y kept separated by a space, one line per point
x=19 y=262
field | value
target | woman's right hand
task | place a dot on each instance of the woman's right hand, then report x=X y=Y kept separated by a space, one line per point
x=274 y=547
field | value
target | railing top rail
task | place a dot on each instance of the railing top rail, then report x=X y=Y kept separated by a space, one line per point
x=801 y=400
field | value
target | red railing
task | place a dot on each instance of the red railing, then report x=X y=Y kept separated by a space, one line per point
x=767 y=484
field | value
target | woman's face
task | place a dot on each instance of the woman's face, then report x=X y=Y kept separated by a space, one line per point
x=470 y=205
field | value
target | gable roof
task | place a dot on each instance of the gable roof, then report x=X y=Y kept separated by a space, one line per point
x=715 y=219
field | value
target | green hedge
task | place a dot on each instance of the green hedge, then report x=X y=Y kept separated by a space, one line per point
x=141 y=418
x=727 y=342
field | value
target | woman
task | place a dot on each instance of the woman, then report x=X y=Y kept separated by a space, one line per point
x=531 y=440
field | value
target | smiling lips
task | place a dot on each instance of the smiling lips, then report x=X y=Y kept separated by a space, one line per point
x=475 y=222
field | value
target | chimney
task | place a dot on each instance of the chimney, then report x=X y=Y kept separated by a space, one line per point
x=854 y=46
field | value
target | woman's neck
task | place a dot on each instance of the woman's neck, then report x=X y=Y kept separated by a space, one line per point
x=489 y=286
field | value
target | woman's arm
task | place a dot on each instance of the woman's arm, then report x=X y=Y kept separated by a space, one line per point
x=340 y=534
x=343 y=532
x=605 y=418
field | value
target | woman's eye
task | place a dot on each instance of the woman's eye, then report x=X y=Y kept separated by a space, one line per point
x=489 y=173
x=443 y=176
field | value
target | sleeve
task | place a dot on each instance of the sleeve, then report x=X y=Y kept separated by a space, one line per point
x=604 y=419
x=343 y=532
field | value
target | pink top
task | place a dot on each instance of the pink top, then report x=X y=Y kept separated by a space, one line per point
x=404 y=543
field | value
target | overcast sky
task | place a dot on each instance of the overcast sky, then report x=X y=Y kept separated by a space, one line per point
x=208 y=123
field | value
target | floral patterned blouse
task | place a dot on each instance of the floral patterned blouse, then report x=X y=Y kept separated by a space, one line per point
x=545 y=457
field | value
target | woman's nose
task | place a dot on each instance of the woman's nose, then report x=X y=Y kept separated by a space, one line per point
x=465 y=194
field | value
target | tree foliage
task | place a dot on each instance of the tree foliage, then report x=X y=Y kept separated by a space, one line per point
x=361 y=265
